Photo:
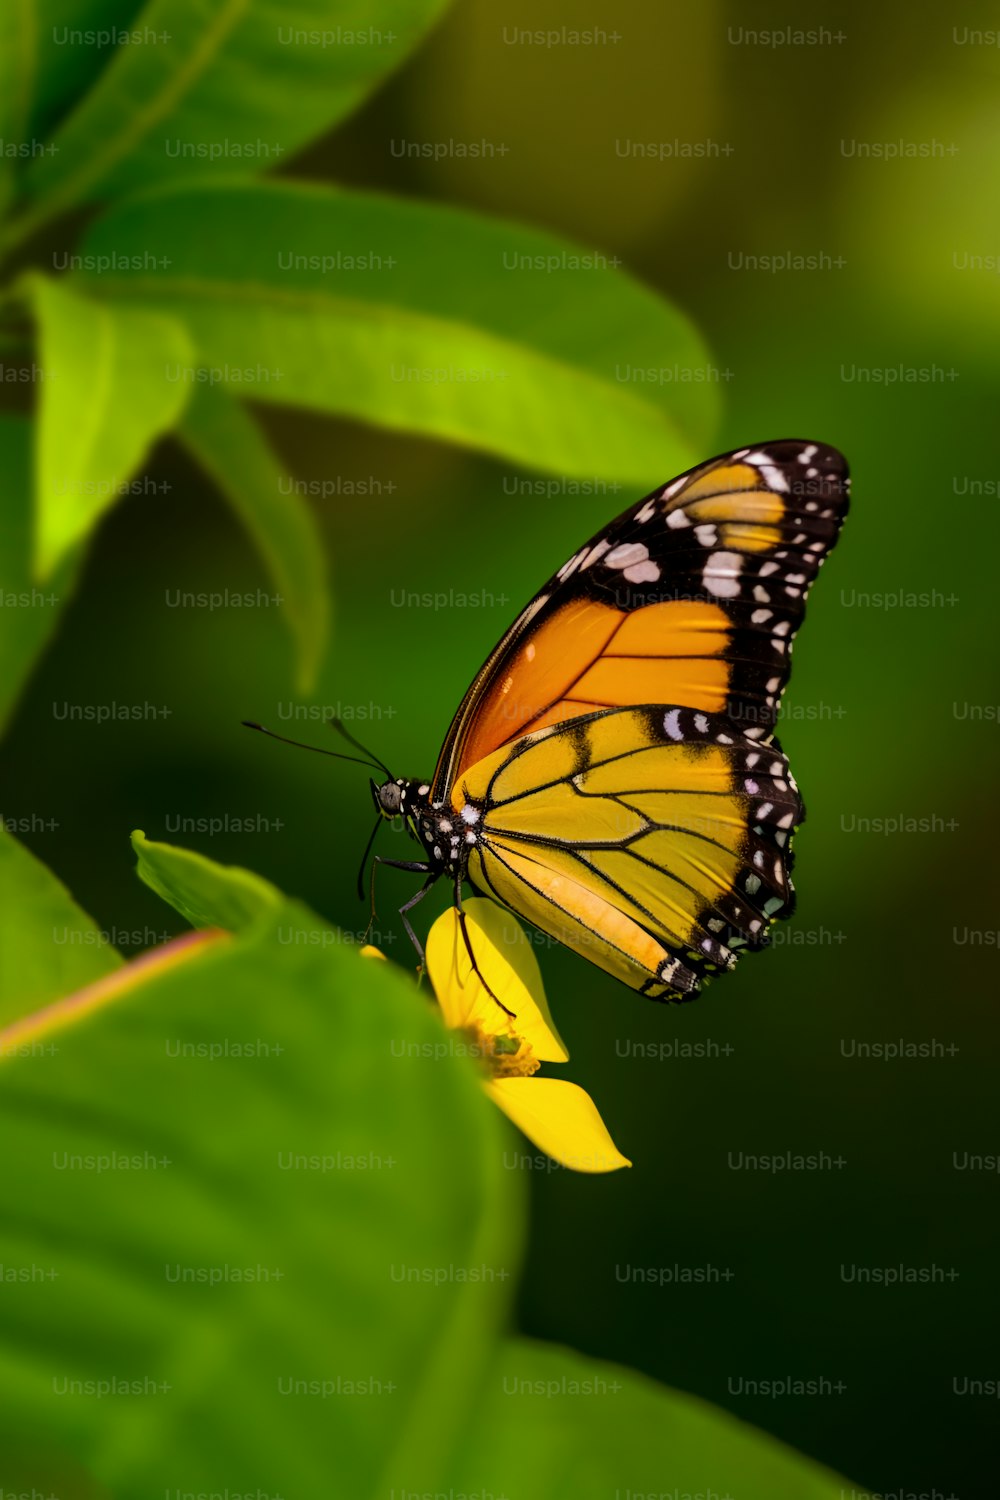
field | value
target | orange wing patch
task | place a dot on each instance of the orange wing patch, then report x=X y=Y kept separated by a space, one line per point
x=590 y=656
x=541 y=673
x=737 y=500
x=726 y=481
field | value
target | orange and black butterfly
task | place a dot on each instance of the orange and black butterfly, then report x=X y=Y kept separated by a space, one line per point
x=612 y=774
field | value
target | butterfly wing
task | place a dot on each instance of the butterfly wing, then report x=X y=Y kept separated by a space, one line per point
x=691 y=597
x=653 y=841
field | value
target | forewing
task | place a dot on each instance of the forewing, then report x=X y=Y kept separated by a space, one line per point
x=693 y=597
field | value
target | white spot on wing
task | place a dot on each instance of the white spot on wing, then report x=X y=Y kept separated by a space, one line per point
x=771 y=475
x=627 y=555
x=644 y=572
x=721 y=574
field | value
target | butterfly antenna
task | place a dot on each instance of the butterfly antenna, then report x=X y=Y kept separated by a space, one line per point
x=338 y=725
x=364 y=858
x=249 y=724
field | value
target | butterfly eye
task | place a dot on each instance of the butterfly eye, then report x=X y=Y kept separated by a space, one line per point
x=388 y=798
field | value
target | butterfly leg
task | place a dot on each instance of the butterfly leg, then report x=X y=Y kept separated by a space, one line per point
x=417 y=867
x=408 y=905
x=468 y=948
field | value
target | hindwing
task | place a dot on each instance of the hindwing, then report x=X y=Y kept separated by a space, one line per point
x=654 y=841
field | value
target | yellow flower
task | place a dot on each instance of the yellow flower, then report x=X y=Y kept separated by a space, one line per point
x=560 y=1117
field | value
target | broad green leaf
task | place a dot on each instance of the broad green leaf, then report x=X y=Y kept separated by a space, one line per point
x=265 y=1202
x=29 y=611
x=57 y=48
x=205 y=893
x=17 y=46
x=587 y=1430
x=48 y=946
x=16 y=41
x=236 y=88
x=114 y=382
x=406 y=314
x=231 y=448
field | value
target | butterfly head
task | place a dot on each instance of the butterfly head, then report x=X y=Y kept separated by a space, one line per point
x=397 y=798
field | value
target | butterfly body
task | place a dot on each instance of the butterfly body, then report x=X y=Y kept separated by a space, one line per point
x=447 y=834
x=612 y=773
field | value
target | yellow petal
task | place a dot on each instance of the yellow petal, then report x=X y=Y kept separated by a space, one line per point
x=561 y=1119
x=505 y=958
x=370 y=952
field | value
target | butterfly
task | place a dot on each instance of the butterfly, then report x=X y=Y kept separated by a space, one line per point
x=612 y=774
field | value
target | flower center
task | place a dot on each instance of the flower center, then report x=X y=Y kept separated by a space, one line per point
x=503 y=1056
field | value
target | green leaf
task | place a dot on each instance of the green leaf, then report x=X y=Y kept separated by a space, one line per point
x=247 y=1170
x=325 y=1208
x=48 y=946
x=205 y=893
x=235 y=88
x=30 y=613
x=52 y=67
x=404 y=314
x=114 y=382
x=15 y=47
x=586 y=1430
x=231 y=448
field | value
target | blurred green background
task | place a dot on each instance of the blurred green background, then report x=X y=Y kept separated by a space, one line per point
x=892 y=713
